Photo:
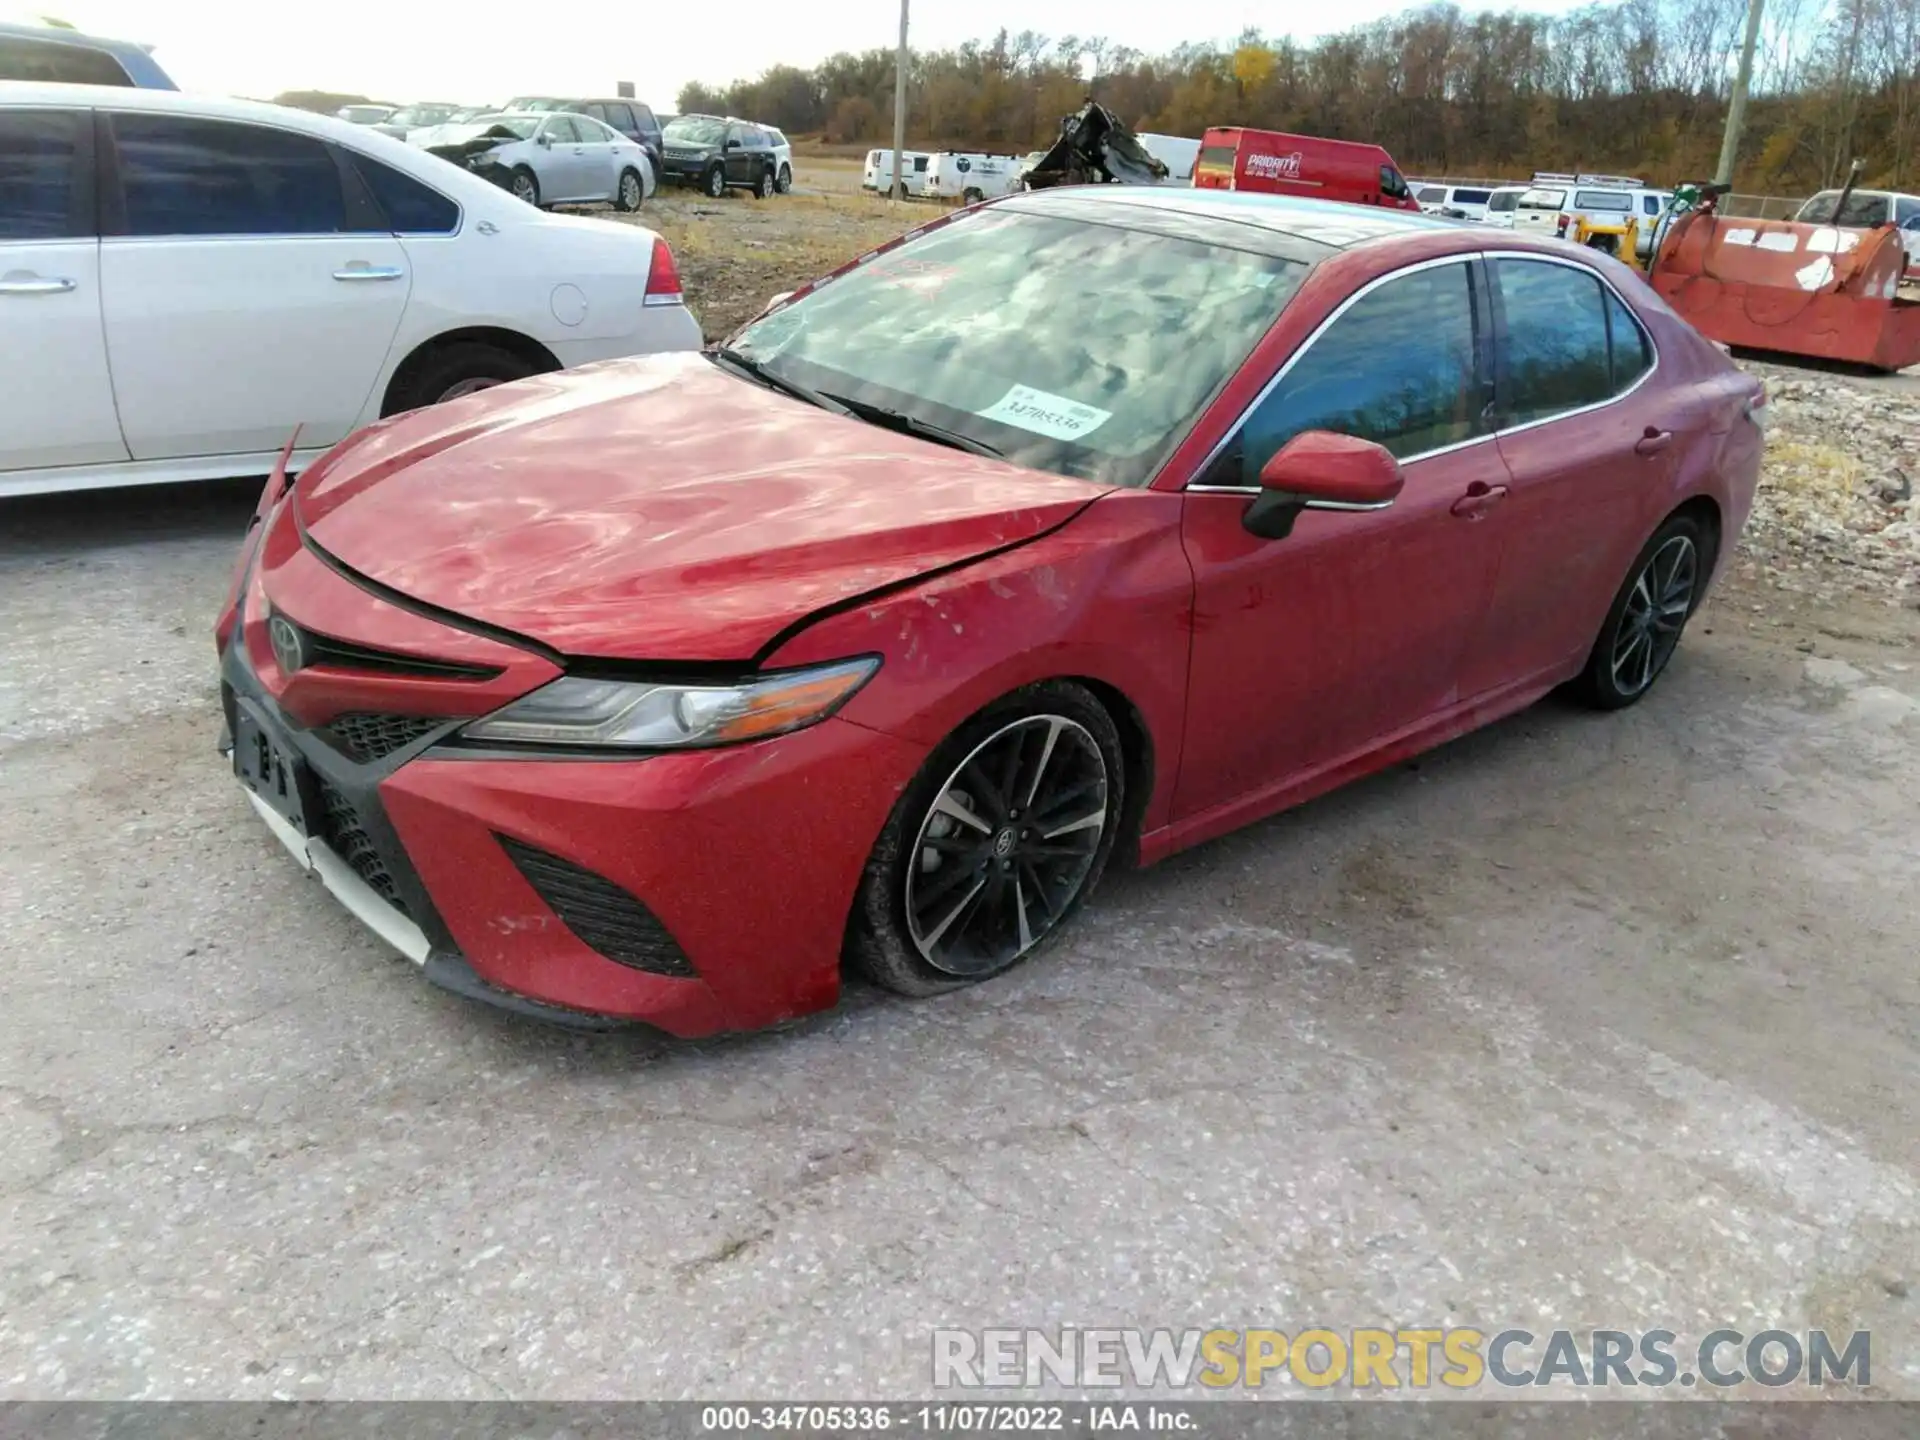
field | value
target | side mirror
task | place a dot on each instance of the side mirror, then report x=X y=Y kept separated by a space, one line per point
x=733 y=145
x=543 y=139
x=773 y=300
x=1319 y=470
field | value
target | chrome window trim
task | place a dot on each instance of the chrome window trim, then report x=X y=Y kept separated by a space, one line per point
x=1266 y=390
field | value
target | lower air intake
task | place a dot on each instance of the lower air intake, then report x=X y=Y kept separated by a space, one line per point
x=600 y=913
x=365 y=736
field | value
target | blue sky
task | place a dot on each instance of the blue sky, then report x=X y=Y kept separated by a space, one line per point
x=486 y=50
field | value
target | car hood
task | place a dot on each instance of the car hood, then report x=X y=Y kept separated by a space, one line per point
x=659 y=509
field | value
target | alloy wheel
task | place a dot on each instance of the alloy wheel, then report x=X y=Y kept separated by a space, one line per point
x=469 y=386
x=523 y=189
x=1656 y=609
x=1006 y=845
x=630 y=191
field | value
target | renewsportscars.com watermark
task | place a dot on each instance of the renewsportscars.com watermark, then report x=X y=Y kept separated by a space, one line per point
x=1455 y=1357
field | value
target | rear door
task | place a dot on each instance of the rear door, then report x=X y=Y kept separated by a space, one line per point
x=1314 y=649
x=242 y=296
x=1592 y=449
x=55 y=394
x=601 y=148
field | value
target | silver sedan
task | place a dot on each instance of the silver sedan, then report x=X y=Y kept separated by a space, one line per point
x=548 y=159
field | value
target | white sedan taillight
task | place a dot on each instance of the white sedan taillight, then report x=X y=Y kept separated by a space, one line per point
x=663 y=278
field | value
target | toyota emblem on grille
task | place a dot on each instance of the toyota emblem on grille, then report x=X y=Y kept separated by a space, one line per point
x=288 y=651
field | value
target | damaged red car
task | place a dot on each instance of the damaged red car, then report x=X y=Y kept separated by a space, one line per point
x=1069 y=531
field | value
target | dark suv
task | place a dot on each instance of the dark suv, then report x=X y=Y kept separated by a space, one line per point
x=629 y=117
x=714 y=154
x=66 y=57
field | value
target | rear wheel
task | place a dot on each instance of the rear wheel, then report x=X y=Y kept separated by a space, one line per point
x=784 y=181
x=457 y=370
x=1005 y=831
x=1643 y=627
x=764 y=186
x=631 y=193
x=714 y=182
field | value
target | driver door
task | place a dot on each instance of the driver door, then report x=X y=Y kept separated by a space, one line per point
x=1312 y=651
x=566 y=161
x=739 y=156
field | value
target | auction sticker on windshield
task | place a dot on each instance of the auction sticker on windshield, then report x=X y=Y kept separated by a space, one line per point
x=1054 y=416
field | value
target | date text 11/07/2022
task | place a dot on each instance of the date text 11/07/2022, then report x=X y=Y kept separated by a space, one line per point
x=960 y=1419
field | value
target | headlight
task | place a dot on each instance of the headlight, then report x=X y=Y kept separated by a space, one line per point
x=640 y=716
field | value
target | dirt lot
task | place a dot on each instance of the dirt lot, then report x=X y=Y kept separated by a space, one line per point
x=1581 y=1021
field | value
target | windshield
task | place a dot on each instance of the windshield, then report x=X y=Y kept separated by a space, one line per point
x=1862 y=209
x=364 y=114
x=523 y=126
x=1078 y=348
x=696 y=130
x=1542 y=200
x=535 y=103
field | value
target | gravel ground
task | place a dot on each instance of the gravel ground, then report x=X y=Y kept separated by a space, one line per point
x=1580 y=1021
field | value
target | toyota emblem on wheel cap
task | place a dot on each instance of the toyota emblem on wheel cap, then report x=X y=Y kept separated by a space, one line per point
x=288 y=651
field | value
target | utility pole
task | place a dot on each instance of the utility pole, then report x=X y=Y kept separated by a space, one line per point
x=1737 y=103
x=900 y=109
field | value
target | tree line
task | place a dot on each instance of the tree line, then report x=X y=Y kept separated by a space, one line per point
x=1637 y=86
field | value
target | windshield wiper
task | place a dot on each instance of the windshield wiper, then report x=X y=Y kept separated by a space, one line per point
x=914 y=425
x=754 y=369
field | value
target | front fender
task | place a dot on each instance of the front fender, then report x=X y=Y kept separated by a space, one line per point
x=1108 y=597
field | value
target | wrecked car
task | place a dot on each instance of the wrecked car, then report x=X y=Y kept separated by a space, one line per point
x=1094 y=148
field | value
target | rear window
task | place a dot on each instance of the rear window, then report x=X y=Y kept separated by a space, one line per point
x=1503 y=200
x=1472 y=197
x=1541 y=200
x=411 y=208
x=1215 y=157
x=23 y=59
x=1602 y=200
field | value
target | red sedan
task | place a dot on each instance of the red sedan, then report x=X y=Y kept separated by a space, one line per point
x=1085 y=525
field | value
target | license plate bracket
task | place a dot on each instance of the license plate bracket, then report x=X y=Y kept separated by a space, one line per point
x=270 y=768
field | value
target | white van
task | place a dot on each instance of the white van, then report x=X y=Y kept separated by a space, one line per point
x=878 y=171
x=1553 y=203
x=1457 y=202
x=1500 y=205
x=970 y=176
x=1176 y=152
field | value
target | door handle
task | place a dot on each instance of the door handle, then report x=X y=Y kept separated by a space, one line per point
x=361 y=271
x=1653 y=441
x=36 y=285
x=1480 y=498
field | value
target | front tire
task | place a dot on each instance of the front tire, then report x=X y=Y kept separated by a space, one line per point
x=972 y=196
x=714 y=182
x=1000 y=838
x=632 y=192
x=525 y=185
x=1644 y=624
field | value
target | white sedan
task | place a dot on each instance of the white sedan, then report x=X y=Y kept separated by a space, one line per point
x=550 y=158
x=185 y=282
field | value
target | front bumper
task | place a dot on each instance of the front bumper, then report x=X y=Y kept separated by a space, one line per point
x=686 y=169
x=748 y=857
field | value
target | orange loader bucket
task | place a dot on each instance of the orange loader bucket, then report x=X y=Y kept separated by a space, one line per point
x=1800 y=289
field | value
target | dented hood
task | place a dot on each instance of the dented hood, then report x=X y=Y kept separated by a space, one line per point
x=659 y=509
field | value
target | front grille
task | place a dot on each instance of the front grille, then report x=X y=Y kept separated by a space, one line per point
x=346 y=835
x=364 y=736
x=318 y=649
x=600 y=913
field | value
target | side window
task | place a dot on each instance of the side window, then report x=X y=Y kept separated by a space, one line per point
x=1652 y=204
x=1397 y=368
x=559 y=129
x=183 y=176
x=411 y=208
x=1432 y=194
x=1556 y=330
x=595 y=110
x=24 y=59
x=1391 y=185
x=646 y=117
x=1632 y=352
x=40 y=198
x=1907 y=212
x=620 y=117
